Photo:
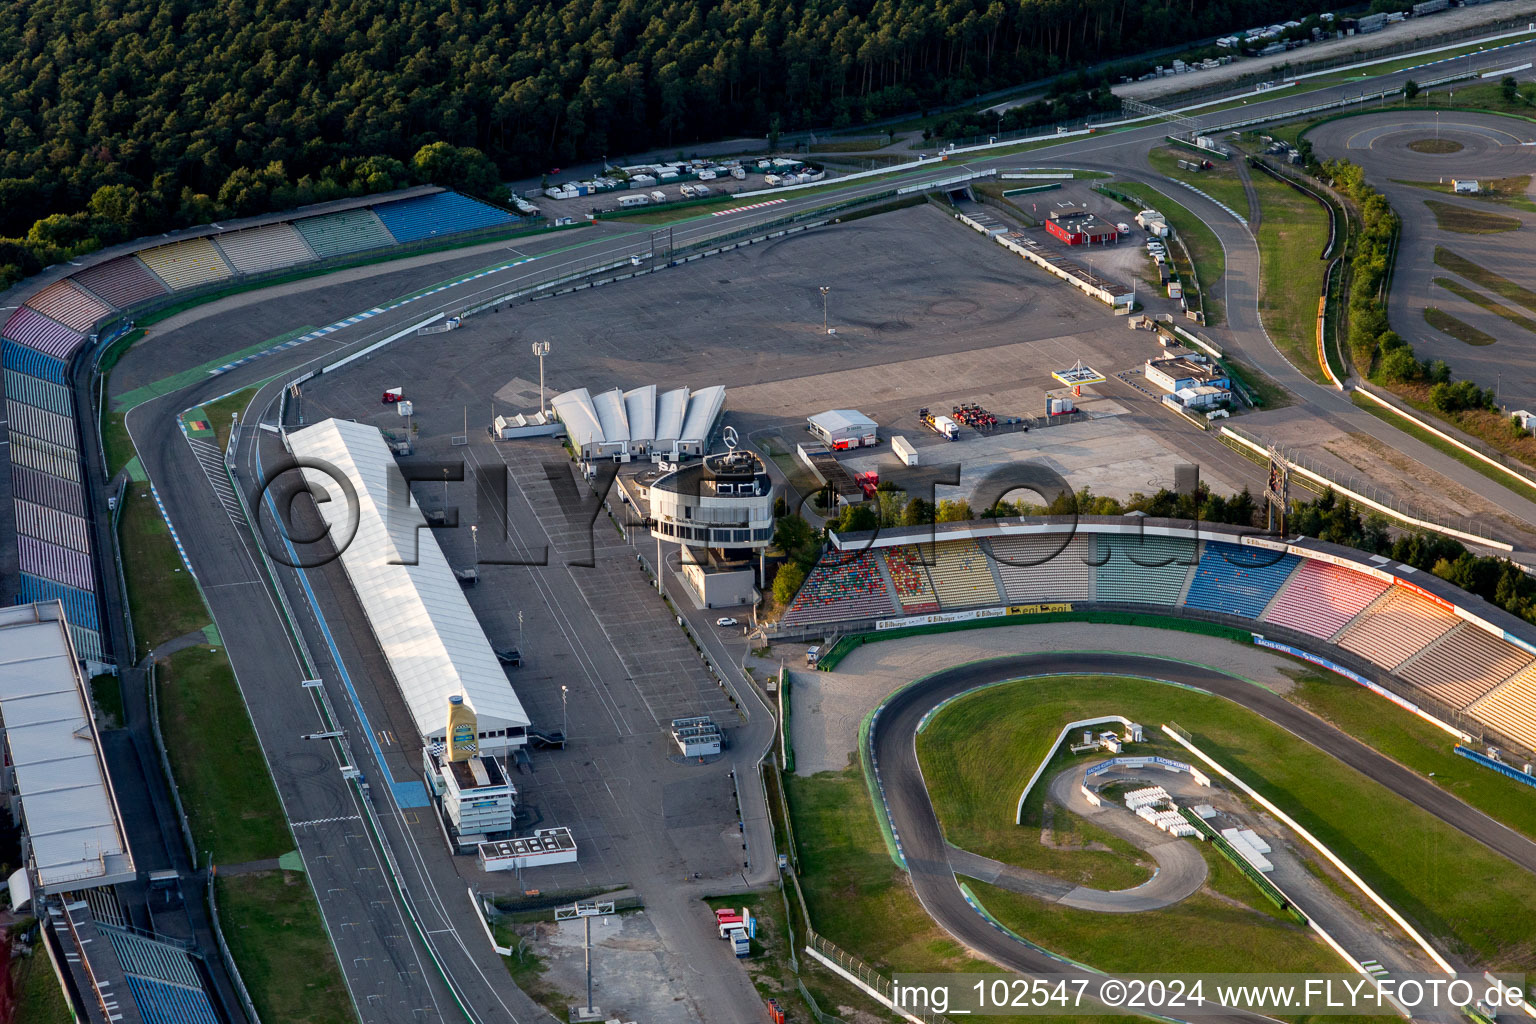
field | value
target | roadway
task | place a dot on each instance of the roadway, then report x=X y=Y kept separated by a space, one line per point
x=893 y=742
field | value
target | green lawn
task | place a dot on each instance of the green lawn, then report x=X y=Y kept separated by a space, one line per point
x=274 y=931
x=39 y=999
x=229 y=797
x=1496 y=283
x=162 y=596
x=1459 y=329
x=1409 y=856
x=1204 y=247
x=1221 y=182
x=117 y=445
x=1467 y=221
x=1291 y=237
x=220 y=413
x=1512 y=191
x=1477 y=298
x=107 y=695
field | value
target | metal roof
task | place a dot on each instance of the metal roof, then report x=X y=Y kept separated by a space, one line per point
x=611 y=415
x=418 y=612
x=704 y=406
x=835 y=421
x=669 y=414
x=69 y=811
x=575 y=410
x=639 y=417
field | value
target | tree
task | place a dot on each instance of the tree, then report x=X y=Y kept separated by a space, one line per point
x=121 y=206
x=857 y=518
x=1509 y=89
x=457 y=167
x=917 y=513
x=1410 y=89
x=954 y=510
x=787 y=583
x=773 y=134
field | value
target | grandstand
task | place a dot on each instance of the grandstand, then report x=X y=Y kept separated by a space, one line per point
x=1395 y=627
x=962 y=576
x=1463 y=665
x=341 y=234
x=439 y=214
x=186 y=264
x=70 y=305
x=42 y=424
x=37 y=392
x=122 y=282
x=1040 y=568
x=841 y=588
x=1142 y=569
x=28 y=327
x=1510 y=708
x=1320 y=598
x=914 y=591
x=1238 y=580
x=269 y=247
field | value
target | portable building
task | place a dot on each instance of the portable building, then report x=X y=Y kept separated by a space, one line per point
x=843 y=428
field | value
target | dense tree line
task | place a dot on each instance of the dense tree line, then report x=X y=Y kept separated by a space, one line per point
x=190 y=110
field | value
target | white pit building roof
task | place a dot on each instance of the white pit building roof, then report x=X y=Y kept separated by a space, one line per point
x=73 y=827
x=418 y=613
x=640 y=421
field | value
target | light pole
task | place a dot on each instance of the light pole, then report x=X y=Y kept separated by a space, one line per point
x=824 y=328
x=445 y=487
x=519 y=632
x=564 y=694
x=541 y=349
x=474 y=538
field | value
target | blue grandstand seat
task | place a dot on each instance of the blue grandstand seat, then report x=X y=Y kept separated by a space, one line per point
x=160 y=1002
x=79 y=605
x=1238 y=580
x=440 y=214
x=16 y=356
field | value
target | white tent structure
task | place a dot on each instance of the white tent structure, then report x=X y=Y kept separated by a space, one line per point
x=73 y=828
x=640 y=422
x=430 y=637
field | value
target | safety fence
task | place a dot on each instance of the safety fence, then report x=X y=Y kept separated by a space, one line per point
x=865 y=977
x=229 y=959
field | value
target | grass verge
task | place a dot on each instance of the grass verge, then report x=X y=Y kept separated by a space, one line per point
x=274 y=931
x=107 y=695
x=1409 y=427
x=1462 y=331
x=1405 y=853
x=1292 y=234
x=39 y=1000
x=231 y=803
x=162 y=596
x=117 y=445
x=1204 y=247
x=1509 y=191
x=1499 y=285
x=1466 y=221
x=1479 y=299
x=1221 y=181
x=220 y=413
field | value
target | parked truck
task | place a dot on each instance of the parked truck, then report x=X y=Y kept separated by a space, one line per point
x=941 y=425
x=904 y=450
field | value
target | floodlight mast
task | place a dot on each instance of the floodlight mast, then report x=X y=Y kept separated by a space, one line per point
x=541 y=349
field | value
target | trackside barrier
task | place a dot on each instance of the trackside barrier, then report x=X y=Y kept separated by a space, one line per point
x=1018 y=814
x=1317 y=844
x=229 y=959
x=864 y=977
x=480 y=916
x=1419 y=422
x=1356 y=496
x=1498 y=766
x=1269 y=889
x=152 y=686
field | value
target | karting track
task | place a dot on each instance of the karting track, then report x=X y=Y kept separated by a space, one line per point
x=892 y=739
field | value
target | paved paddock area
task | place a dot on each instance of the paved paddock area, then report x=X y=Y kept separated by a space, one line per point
x=830 y=705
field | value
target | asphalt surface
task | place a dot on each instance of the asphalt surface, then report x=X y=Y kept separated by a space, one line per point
x=893 y=741
x=388 y=962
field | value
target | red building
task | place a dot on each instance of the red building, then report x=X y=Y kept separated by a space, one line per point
x=1079 y=227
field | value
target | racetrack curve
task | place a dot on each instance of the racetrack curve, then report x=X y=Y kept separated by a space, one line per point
x=893 y=741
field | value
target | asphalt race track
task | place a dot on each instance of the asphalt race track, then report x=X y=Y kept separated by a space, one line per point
x=893 y=735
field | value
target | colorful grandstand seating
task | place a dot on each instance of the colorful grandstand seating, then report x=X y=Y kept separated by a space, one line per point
x=162 y=1003
x=1039 y=568
x=53 y=526
x=121 y=282
x=269 y=247
x=46 y=457
x=1321 y=598
x=1397 y=626
x=1237 y=580
x=840 y=587
x=79 y=605
x=186 y=264
x=439 y=214
x=913 y=588
x=40 y=423
x=1510 y=707
x=53 y=562
x=46 y=489
x=1146 y=570
x=69 y=305
x=150 y=958
x=1464 y=664
x=24 y=387
x=962 y=575
x=338 y=234
x=30 y=328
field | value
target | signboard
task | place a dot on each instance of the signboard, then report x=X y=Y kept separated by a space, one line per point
x=939 y=618
x=1038 y=609
x=1426 y=595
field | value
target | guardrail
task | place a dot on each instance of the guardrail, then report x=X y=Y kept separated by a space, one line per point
x=152 y=688
x=229 y=959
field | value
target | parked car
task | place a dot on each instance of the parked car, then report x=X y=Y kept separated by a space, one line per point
x=726 y=620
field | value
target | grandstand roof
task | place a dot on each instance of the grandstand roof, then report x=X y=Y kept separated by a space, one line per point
x=418 y=613
x=69 y=812
x=639 y=418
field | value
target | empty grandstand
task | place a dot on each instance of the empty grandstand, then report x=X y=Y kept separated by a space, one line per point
x=30 y=328
x=1238 y=580
x=1142 y=569
x=1510 y=708
x=1320 y=598
x=186 y=264
x=962 y=576
x=437 y=215
x=1463 y=665
x=1395 y=627
x=914 y=590
x=70 y=305
x=1044 y=567
x=269 y=247
x=340 y=234
x=121 y=282
x=841 y=587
